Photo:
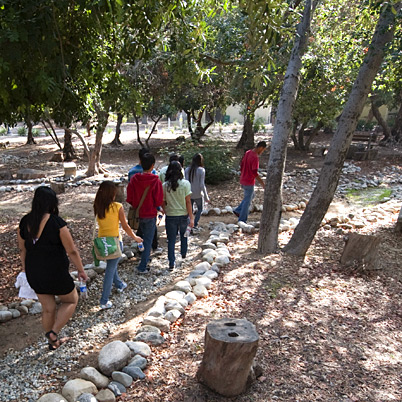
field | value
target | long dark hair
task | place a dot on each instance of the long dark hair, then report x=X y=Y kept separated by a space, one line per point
x=44 y=202
x=105 y=196
x=198 y=161
x=173 y=175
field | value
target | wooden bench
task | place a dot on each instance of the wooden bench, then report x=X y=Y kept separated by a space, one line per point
x=365 y=149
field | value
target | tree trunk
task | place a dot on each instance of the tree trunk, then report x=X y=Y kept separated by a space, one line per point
x=116 y=141
x=137 y=123
x=30 y=140
x=398 y=226
x=84 y=144
x=313 y=134
x=94 y=166
x=199 y=129
x=247 y=138
x=52 y=133
x=396 y=131
x=190 y=129
x=152 y=130
x=68 y=150
x=329 y=176
x=272 y=210
x=377 y=115
x=293 y=135
x=300 y=135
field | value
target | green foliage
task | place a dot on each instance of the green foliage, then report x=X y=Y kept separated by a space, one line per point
x=3 y=131
x=22 y=131
x=363 y=125
x=218 y=159
x=368 y=196
x=259 y=125
x=35 y=132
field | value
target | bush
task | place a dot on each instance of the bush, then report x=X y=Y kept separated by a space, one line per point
x=35 y=132
x=22 y=131
x=3 y=131
x=217 y=158
x=258 y=125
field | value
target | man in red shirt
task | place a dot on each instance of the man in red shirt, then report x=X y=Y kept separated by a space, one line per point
x=248 y=174
x=148 y=211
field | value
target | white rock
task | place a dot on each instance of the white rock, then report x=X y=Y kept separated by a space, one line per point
x=5 y=316
x=183 y=286
x=215 y=267
x=222 y=259
x=52 y=397
x=173 y=305
x=93 y=375
x=200 y=291
x=203 y=267
x=208 y=245
x=139 y=348
x=147 y=328
x=157 y=322
x=113 y=356
x=203 y=281
x=207 y=250
x=210 y=257
x=190 y=297
x=175 y=295
x=173 y=315
x=211 y=274
x=74 y=388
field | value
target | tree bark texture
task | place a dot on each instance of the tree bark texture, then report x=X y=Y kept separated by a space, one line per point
x=68 y=150
x=247 y=138
x=30 y=139
x=362 y=249
x=230 y=347
x=397 y=127
x=116 y=140
x=272 y=210
x=376 y=113
x=329 y=176
x=398 y=226
x=95 y=154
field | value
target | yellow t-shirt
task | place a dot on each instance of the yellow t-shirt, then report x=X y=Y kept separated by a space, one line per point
x=109 y=225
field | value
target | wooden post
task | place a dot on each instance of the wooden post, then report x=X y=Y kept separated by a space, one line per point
x=361 y=248
x=230 y=347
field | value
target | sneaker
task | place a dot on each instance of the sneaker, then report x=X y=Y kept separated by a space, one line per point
x=157 y=251
x=109 y=304
x=171 y=269
x=122 y=288
x=144 y=272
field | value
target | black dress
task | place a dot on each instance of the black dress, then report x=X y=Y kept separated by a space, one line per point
x=46 y=261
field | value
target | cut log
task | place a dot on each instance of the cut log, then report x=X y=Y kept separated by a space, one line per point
x=361 y=248
x=230 y=347
x=398 y=227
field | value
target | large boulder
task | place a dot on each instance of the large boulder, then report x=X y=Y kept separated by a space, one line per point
x=113 y=357
x=74 y=388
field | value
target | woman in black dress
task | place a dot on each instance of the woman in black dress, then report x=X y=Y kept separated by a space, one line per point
x=44 y=242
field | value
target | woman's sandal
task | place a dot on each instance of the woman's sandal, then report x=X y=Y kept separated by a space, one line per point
x=55 y=343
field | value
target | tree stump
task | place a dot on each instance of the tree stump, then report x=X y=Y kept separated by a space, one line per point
x=361 y=248
x=230 y=347
x=120 y=195
x=398 y=226
x=70 y=169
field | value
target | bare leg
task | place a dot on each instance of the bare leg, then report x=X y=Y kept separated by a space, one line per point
x=48 y=311
x=66 y=310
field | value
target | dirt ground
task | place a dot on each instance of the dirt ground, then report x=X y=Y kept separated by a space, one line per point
x=327 y=333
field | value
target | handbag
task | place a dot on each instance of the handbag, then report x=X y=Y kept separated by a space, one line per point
x=105 y=248
x=133 y=217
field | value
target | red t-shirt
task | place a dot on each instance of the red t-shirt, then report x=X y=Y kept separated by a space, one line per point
x=249 y=168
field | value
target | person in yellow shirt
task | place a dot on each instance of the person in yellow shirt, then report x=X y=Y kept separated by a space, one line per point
x=109 y=214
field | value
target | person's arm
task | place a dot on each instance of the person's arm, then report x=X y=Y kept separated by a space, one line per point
x=127 y=229
x=23 y=251
x=72 y=251
x=204 y=189
x=258 y=178
x=190 y=210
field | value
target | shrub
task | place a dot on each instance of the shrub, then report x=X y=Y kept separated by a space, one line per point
x=35 y=132
x=3 y=131
x=22 y=131
x=258 y=125
x=217 y=158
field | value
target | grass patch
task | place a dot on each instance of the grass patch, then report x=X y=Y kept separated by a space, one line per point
x=368 y=196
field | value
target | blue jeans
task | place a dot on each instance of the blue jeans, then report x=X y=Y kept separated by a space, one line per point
x=147 y=228
x=244 y=206
x=200 y=206
x=173 y=225
x=111 y=278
